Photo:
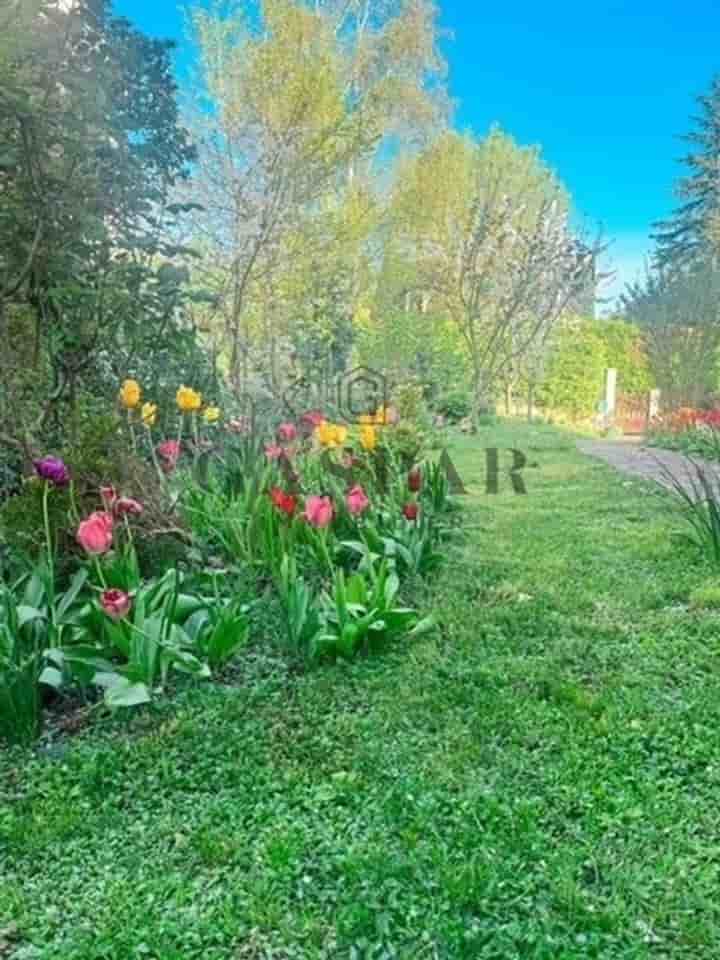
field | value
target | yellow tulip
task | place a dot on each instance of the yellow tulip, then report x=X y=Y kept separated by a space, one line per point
x=325 y=433
x=365 y=420
x=211 y=414
x=188 y=400
x=148 y=414
x=130 y=394
x=368 y=437
x=381 y=416
x=331 y=434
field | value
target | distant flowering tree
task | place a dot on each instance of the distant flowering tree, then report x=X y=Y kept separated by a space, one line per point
x=494 y=247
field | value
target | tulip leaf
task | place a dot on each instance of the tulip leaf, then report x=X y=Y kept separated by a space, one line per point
x=126 y=694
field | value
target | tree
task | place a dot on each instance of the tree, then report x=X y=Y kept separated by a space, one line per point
x=90 y=145
x=678 y=311
x=293 y=111
x=694 y=227
x=489 y=226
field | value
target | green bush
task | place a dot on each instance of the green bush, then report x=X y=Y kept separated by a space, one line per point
x=454 y=405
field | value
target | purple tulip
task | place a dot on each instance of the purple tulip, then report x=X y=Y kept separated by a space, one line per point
x=53 y=470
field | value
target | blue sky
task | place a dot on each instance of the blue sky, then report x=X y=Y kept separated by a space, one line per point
x=605 y=89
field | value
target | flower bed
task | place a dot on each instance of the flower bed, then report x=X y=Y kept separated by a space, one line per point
x=689 y=430
x=322 y=519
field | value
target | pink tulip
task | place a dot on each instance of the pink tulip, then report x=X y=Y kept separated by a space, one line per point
x=273 y=451
x=286 y=432
x=169 y=450
x=126 y=505
x=95 y=534
x=356 y=500
x=313 y=418
x=319 y=511
x=115 y=603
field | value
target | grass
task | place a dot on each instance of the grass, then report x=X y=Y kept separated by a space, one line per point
x=538 y=779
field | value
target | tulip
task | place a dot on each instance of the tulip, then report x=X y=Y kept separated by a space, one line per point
x=414 y=479
x=331 y=435
x=239 y=425
x=312 y=419
x=169 y=450
x=273 y=451
x=411 y=511
x=108 y=495
x=130 y=394
x=148 y=414
x=286 y=432
x=319 y=511
x=356 y=500
x=211 y=414
x=283 y=501
x=115 y=603
x=325 y=433
x=53 y=471
x=188 y=400
x=95 y=534
x=368 y=437
x=126 y=505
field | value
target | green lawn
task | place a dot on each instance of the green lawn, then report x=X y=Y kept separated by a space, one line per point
x=538 y=779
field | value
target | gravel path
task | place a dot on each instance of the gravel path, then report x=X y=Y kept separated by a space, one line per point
x=637 y=460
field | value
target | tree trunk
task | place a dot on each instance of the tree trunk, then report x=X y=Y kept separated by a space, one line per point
x=481 y=398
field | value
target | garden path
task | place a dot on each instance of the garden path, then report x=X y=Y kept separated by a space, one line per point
x=650 y=463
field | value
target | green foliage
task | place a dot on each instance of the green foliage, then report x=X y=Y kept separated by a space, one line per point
x=697 y=488
x=706 y=596
x=21 y=664
x=362 y=612
x=692 y=231
x=625 y=352
x=677 y=312
x=565 y=663
x=574 y=379
x=94 y=283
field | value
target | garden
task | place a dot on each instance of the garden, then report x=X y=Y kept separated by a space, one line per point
x=321 y=638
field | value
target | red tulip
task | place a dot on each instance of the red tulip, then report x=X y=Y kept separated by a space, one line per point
x=95 y=534
x=115 y=603
x=286 y=432
x=319 y=511
x=356 y=500
x=283 y=501
x=415 y=479
x=411 y=511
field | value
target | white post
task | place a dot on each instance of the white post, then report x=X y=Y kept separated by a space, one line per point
x=610 y=394
x=654 y=404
